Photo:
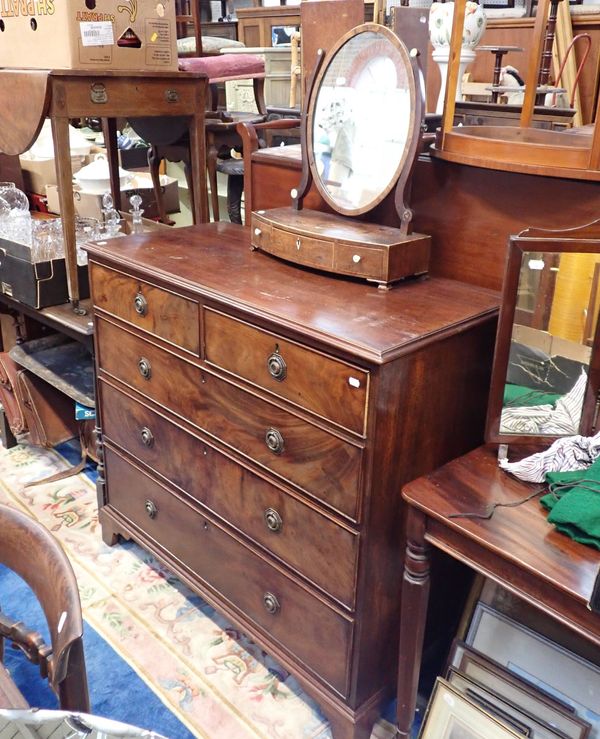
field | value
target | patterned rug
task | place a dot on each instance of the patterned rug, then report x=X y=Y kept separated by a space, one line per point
x=216 y=681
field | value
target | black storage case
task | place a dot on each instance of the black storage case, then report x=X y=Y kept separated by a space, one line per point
x=39 y=284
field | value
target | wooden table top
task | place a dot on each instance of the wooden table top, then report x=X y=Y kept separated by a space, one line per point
x=520 y=537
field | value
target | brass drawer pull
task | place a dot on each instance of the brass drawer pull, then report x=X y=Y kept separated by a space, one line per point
x=140 y=304
x=147 y=437
x=277 y=366
x=273 y=520
x=274 y=441
x=145 y=368
x=271 y=603
x=151 y=508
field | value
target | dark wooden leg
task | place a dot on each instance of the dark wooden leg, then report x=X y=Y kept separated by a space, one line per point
x=154 y=159
x=64 y=178
x=211 y=168
x=73 y=690
x=198 y=155
x=6 y=435
x=259 y=95
x=109 y=131
x=413 y=614
x=235 y=188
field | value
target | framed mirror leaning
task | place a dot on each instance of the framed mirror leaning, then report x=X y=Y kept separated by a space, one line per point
x=546 y=371
x=361 y=134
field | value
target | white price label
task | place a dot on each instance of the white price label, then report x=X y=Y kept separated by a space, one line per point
x=97 y=33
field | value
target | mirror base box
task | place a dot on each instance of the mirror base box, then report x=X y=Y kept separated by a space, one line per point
x=333 y=243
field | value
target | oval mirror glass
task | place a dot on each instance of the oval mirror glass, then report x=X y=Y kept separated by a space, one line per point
x=361 y=119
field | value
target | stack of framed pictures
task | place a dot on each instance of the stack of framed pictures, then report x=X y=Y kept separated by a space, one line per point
x=506 y=680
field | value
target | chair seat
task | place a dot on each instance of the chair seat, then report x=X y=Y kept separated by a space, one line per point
x=231 y=166
x=225 y=67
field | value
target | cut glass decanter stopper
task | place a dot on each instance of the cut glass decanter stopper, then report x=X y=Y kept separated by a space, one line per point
x=137 y=226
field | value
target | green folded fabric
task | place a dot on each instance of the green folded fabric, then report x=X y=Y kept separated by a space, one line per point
x=575 y=508
x=517 y=395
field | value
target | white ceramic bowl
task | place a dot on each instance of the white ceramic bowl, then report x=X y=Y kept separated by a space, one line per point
x=94 y=177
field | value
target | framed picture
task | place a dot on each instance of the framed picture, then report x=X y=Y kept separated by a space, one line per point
x=507 y=686
x=554 y=670
x=451 y=715
x=514 y=716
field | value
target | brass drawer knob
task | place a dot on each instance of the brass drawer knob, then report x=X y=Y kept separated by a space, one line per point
x=274 y=441
x=140 y=304
x=277 y=367
x=271 y=603
x=273 y=520
x=145 y=368
x=147 y=437
x=151 y=508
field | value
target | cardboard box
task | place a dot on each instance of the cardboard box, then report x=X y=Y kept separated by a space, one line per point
x=89 y=204
x=39 y=285
x=38 y=173
x=79 y=34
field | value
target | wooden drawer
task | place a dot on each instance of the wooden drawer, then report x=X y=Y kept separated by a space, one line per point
x=359 y=260
x=172 y=317
x=331 y=388
x=300 y=249
x=312 y=631
x=293 y=531
x=315 y=460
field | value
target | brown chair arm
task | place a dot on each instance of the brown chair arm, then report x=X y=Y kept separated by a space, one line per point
x=250 y=144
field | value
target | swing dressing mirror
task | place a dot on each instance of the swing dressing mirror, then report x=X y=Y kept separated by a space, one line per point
x=360 y=138
x=545 y=376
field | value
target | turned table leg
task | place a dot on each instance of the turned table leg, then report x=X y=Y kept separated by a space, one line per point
x=413 y=614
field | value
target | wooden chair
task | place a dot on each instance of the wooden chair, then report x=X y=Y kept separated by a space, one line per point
x=30 y=550
x=249 y=134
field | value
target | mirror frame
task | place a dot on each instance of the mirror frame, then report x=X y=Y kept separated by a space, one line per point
x=585 y=240
x=404 y=169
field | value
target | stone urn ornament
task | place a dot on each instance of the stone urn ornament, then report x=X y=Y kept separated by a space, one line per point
x=440 y=30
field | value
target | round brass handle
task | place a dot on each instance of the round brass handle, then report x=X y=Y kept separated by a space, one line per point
x=271 y=603
x=145 y=368
x=277 y=366
x=274 y=441
x=151 y=508
x=147 y=437
x=273 y=520
x=140 y=304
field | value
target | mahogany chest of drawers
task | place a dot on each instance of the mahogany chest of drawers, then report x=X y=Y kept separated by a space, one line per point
x=257 y=423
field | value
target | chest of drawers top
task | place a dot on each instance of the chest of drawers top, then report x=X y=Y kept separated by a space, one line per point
x=214 y=263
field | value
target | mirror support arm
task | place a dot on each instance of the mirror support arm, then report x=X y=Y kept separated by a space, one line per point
x=306 y=181
x=402 y=194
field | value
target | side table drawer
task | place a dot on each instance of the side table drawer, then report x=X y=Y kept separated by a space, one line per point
x=324 y=465
x=327 y=386
x=295 y=532
x=287 y=612
x=160 y=312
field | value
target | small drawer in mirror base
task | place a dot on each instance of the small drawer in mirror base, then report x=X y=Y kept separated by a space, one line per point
x=340 y=245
